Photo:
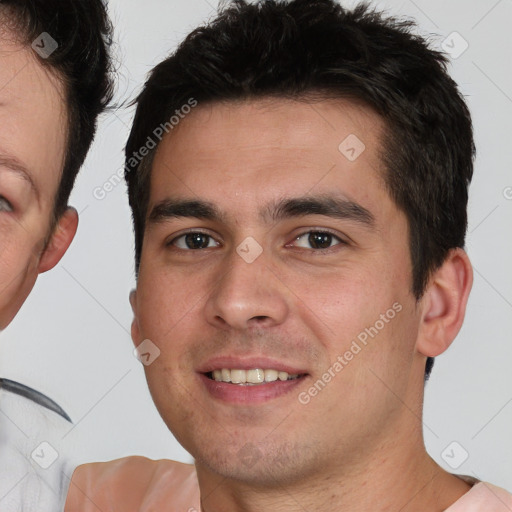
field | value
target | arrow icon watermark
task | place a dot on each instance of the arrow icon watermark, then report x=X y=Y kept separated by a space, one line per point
x=351 y=147
x=44 y=45
x=147 y=352
x=249 y=249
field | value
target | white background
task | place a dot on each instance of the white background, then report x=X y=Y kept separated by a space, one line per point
x=71 y=340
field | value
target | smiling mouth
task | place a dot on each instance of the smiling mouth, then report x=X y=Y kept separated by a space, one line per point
x=253 y=377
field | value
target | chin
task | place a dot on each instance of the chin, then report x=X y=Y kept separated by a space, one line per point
x=259 y=465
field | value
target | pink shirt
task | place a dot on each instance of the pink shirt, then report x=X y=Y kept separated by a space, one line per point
x=134 y=484
x=483 y=497
x=137 y=484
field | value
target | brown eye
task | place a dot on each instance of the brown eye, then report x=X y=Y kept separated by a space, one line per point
x=317 y=240
x=194 y=241
x=320 y=240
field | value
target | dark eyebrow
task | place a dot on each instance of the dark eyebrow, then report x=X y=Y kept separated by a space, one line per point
x=328 y=206
x=14 y=165
x=172 y=208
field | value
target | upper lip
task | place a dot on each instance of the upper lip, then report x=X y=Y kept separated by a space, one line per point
x=249 y=363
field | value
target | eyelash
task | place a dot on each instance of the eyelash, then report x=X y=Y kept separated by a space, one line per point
x=316 y=231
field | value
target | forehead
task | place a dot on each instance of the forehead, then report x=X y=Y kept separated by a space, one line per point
x=282 y=124
x=32 y=115
x=240 y=153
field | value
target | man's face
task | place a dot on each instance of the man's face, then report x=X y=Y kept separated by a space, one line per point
x=32 y=146
x=297 y=250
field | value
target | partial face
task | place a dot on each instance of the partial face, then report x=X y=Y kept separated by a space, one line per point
x=32 y=147
x=273 y=256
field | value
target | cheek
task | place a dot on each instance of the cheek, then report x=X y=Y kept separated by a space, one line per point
x=18 y=257
x=166 y=305
x=345 y=302
x=365 y=313
x=18 y=273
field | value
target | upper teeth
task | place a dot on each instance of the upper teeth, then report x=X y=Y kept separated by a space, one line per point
x=255 y=376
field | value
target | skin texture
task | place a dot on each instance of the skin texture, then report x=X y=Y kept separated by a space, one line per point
x=301 y=306
x=32 y=147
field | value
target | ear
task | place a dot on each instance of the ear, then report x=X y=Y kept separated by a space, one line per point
x=444 y=304
x=60 y=240
x=135 y=321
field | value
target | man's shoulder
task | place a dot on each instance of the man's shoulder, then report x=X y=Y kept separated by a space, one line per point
x=483 y=497
x=33 y=467
x=133 y=483
x=23 y=404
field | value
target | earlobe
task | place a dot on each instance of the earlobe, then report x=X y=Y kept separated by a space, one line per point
x=61 y=239
x=135 y=331
x=444 y=304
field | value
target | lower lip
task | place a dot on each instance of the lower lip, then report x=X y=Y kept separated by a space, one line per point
x=256 y=394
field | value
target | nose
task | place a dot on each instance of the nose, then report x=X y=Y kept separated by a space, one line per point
x=247 y=295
